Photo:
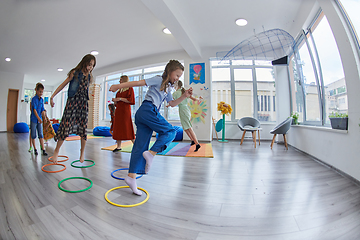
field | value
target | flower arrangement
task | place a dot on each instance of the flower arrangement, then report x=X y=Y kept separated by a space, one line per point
x=224 y=108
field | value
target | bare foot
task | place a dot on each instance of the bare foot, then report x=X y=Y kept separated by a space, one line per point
x=55 y=157
x=82 y=159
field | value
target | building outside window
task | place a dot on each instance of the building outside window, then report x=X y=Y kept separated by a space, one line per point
x=316 y=75
x=247 y=85
x=332 y=70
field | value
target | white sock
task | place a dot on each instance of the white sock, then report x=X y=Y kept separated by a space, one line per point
x=131 y=182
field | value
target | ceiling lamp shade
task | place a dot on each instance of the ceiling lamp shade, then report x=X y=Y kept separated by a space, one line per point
x=268 y=45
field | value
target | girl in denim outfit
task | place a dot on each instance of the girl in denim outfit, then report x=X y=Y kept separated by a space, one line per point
x=75 y=116
x=148 y=119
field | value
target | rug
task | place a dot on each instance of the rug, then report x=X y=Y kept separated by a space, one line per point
x=73 y=138
x=180 y=149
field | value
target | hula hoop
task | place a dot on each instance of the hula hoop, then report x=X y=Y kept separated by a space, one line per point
x=112 y=174
x=82 y=190
x=67 y=158
x=42 y=168
x=72 y=164
x=133 y=205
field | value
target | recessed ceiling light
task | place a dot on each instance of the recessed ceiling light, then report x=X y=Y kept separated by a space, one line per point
x=8 y=59
x=241 y=22
x=43 y=80
x=60 y=69
x=94 y=52
x=166 y=31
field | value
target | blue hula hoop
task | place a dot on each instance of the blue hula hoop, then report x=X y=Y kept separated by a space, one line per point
x=112 y=174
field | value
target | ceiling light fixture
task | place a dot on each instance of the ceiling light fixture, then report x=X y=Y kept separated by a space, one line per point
x=43 y=80
x=8 y=59
x=241 y=22
x=94 y=52
x=166 y=31
x=60 y=69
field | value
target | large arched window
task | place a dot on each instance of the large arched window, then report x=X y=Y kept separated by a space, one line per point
x=317 y=75
x=350 y=10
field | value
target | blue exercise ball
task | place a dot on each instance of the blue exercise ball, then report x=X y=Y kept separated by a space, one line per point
x=56 y=127
x=21 y=127
x=102 y=131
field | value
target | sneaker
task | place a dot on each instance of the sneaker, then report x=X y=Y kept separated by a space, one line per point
x=192 y=143
x=35 y=151
x=30 y=149
x=117 y=149
x=44 y=153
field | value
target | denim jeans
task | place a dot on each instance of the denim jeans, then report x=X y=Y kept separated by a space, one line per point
x=147 y=120
x=36 y=126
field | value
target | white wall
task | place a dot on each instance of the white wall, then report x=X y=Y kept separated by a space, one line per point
x=282 y=95
x=337 y=148
x=9 y=81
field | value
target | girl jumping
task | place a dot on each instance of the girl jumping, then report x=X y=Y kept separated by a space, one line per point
x=75 y=116
x=148 y=119
x=185 y=115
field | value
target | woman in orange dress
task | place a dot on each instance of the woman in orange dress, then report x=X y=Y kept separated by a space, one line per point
x=123 y=128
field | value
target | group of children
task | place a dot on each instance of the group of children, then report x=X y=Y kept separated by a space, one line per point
x=147 y=117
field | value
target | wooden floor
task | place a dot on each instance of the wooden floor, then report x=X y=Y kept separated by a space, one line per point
x=241 y=193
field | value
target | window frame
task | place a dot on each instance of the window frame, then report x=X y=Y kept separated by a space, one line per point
x=141 y=75
x=317 y=69
x=255 y=64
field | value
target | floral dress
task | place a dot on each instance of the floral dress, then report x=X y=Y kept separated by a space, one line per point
x=75 y=116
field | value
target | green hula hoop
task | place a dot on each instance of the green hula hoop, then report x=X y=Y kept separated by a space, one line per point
x=72 y=164
x=82 y=190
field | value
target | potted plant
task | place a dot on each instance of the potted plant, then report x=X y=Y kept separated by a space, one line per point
x=339 y=121
x=295 y=117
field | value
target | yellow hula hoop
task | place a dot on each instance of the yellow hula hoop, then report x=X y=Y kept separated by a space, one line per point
x=120 y=205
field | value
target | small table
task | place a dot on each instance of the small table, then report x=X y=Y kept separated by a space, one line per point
x=253 y=132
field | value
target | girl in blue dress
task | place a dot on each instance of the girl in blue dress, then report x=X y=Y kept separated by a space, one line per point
x=148 y=119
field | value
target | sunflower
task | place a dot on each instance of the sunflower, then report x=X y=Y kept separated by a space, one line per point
x=224 y=108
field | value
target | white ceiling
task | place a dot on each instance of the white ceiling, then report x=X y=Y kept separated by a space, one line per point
x=43 y=35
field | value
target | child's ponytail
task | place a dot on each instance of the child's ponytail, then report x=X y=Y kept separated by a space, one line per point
x=180 y=85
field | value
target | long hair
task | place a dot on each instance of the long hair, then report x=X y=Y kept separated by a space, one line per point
x=125 y=79
x=85 y=61
x=180 y=85
x=172 y=65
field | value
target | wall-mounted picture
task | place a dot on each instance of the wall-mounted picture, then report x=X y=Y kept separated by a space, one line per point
x=46 y=100
x=197 y=73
